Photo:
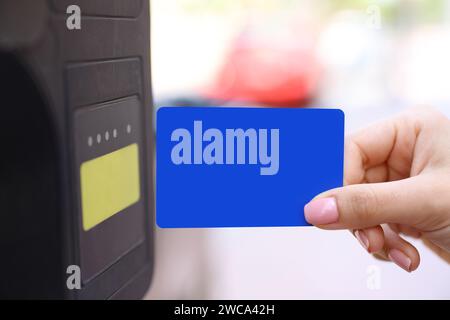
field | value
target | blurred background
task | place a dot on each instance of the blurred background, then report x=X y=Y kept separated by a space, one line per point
x=370 y=58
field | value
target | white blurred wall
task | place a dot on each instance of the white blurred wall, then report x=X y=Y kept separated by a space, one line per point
x=366 y=80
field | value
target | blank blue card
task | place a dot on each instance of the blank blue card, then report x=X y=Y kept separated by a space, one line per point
x=244 y=167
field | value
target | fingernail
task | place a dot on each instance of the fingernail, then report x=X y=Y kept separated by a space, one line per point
x=321 y=211
x=400 y=259
x=362 y=238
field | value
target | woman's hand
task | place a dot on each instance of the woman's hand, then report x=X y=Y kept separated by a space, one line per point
x=397 y=182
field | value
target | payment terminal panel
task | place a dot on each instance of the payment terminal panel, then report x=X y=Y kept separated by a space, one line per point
x=108 y=156
x=77 y=180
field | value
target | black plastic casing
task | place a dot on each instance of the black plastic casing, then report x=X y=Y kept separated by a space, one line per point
x=47 y=73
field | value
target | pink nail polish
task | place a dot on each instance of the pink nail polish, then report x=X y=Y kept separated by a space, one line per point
x=321 y=211
x=400 y=259
x=362 y=238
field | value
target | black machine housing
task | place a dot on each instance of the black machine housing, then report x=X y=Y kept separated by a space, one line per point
x=50 y=77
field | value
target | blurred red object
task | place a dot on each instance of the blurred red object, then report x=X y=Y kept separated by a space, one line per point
x=267 y=69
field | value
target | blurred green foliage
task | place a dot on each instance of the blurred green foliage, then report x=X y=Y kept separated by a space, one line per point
x=392 y=10
x=395 y=10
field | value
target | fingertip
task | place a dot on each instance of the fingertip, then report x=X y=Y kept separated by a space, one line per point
x=371 y=239
x=414 y=255
x=321 y=211
x=404 y=260
x=376 y=238
x=363 y=239
x=400 y=251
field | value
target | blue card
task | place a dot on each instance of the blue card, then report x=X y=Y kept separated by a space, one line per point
x=244 y=167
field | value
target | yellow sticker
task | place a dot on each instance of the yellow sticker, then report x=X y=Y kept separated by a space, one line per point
x=109 y=184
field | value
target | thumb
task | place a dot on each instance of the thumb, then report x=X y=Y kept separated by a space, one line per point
x=367 y=205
